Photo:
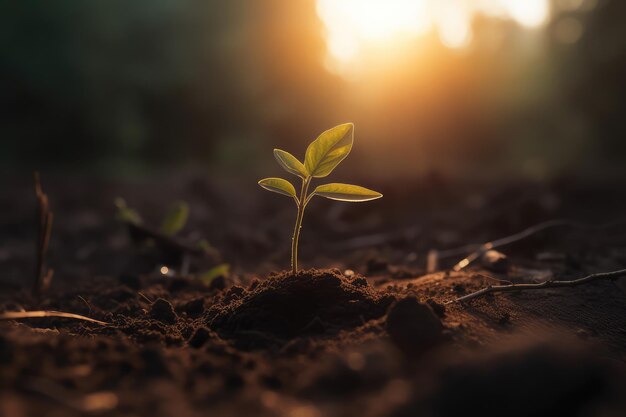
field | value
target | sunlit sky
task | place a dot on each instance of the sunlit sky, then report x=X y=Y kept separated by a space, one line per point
x=354 y=25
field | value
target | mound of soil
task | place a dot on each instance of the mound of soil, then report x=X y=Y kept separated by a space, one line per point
x=288 y=306
x=413 y=326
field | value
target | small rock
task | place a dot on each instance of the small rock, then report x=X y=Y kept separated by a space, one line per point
x=236 y=290
x=360 y=282
x=194 y=307
x=438 y=308
x=163 y=311
x=199 y=337
x=458 y=288
x=413 y=326
x=495 y=261
x=218 y=283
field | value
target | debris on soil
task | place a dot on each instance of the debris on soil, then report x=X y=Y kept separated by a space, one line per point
x=195 y=307
x=319 y=342
x=495 y=261
x=438 y=308
x=287 y=306
x=218 y=283
x=413 y=326
x=163 y=311
x=200 y=337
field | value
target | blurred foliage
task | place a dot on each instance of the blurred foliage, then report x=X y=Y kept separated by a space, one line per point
x=116 y=86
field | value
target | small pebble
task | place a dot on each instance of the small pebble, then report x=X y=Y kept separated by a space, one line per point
x=199 y=337
x=163 y=311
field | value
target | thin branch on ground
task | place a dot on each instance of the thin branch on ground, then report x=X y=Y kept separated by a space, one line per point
x=610 y=276
x=480 y=249
x=43 y=276
x=17 y=315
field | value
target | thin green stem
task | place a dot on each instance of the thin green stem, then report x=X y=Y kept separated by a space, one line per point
x=298 y=227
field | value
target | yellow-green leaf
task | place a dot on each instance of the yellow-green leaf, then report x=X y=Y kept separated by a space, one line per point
x=175 y=219
x=290 y=163
x=346 y=192
x=219 y=271
x=278 y=185
x=328 y=150
x=125 y=213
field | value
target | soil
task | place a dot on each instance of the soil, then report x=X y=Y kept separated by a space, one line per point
x=368 y=333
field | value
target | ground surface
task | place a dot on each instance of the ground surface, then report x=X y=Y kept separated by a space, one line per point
x=367 y=335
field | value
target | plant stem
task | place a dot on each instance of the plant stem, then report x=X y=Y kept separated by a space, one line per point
x=298 y=227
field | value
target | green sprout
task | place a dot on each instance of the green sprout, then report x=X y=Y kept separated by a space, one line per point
x=321 y=158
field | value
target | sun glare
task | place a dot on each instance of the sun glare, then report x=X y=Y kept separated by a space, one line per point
x=355 y=26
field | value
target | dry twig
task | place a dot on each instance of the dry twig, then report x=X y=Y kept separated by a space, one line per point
x=541 y=285
x=43 y=276
x=480 y=249
x=16 y=315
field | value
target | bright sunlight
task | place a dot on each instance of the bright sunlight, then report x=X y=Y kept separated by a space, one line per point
x=354 y=26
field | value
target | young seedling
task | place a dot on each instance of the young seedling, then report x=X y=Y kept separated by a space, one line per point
x=321 y=158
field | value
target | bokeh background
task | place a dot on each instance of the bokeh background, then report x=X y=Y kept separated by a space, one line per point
x=529 y=89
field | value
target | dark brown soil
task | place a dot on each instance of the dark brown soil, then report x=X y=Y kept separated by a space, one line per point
x=370 y=336
x=287 y=306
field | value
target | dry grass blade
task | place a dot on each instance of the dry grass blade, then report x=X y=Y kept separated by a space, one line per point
x=16 y=315
x=45 y=217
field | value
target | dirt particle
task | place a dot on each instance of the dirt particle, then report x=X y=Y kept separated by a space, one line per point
x=200 y=337
x=163 y=311
x=360 y=282
x=504 y=319
x=458 y=288
x=195 y=307
x=438 y=308
x=218 y=283
x=413 y=326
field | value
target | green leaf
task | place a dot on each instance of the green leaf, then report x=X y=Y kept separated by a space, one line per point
x=175 y=219
x=290 y=163
x=125 y=213
x=278 y=185
x=211 y=274
x=346 y=192
x=328 y=150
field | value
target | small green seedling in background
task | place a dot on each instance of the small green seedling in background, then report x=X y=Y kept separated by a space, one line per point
x=173 y=222
x=126 y=214
x=175 y=219
x=321 y=158
x=165 y=237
